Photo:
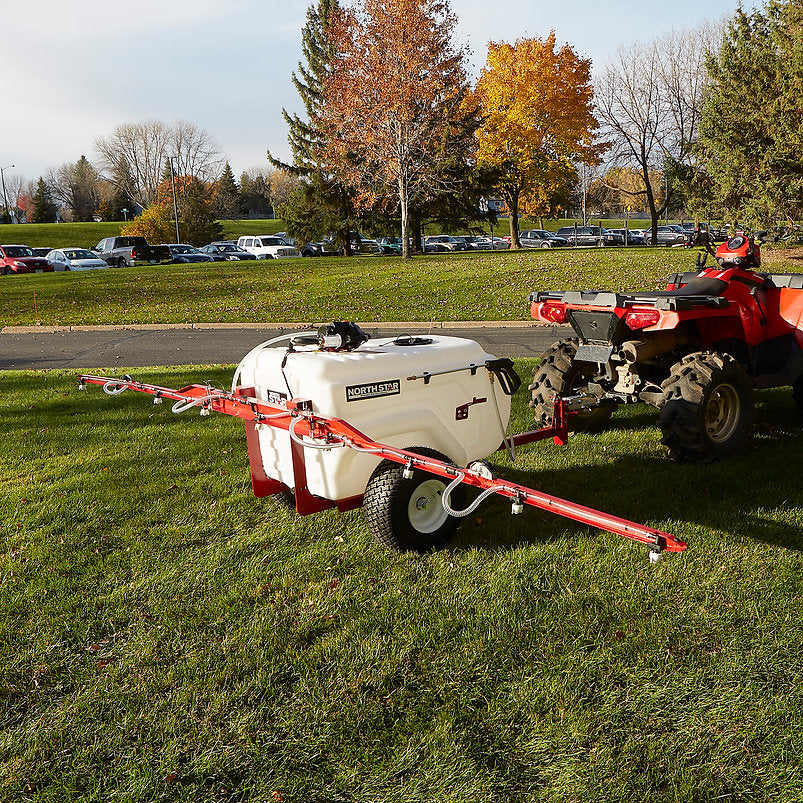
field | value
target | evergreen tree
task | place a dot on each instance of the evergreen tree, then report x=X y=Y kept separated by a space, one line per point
x=42 y=205
x=751 y=129
x=255 y=197
x=323 y=195
x=226 y=201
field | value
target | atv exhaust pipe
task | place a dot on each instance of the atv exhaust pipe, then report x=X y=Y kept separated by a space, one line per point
x=639 y=350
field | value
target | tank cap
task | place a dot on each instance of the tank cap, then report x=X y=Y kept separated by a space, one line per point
x=412 y=340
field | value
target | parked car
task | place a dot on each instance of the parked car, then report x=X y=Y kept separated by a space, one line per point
x=589 y=235
x=433 y=247
x=476 y=243
x=21 y=259
x=268 y=246
x=366 y=247
x=492 y=244
x=322 y=248
x=390 y=245
x=41 y=251
x=669 y=235
x=225 y=250
x=540 y=238
x=122 y=251
x=181 y=253
x=75 y=259
x=448 y=243
x=634 y=236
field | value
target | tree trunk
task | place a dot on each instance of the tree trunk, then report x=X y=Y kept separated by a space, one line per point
x=416 y=245
x=512 y=200
x=405 y=222
x=654 y=211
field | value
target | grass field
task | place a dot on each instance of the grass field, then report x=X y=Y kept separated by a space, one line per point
x=88 y=235
x=439 y=287
x=166 y=636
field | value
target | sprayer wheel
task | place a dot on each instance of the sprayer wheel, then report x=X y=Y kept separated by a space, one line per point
x=407 y=515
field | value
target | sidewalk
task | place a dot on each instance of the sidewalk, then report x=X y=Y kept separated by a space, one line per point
x=418 y=325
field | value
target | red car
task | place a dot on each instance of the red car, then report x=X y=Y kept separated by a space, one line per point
x=21 y=259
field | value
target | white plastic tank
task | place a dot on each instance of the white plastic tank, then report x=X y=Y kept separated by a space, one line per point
x=379 y=389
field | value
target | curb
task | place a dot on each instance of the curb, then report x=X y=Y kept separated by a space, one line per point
x=428 y=325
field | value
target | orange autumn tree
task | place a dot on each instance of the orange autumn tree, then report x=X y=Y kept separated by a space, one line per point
x=538 y=121
x=393 y=103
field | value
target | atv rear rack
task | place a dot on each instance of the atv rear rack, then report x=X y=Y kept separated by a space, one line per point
x=601 y=298
x=308 y=429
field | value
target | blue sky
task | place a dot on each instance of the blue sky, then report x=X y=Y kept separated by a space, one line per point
x=73 y=71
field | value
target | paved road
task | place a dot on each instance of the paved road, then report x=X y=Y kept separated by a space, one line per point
x=110 y=347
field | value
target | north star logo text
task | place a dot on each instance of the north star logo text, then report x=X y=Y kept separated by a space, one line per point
x=373 y=390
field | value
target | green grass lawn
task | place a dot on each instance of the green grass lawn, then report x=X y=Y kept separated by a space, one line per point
x=438 y=287
x=88 y=235
x=166 y=636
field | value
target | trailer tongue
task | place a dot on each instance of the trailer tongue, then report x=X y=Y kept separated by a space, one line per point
x=299 y=446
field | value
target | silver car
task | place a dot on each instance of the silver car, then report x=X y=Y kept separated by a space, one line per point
x=75 y=259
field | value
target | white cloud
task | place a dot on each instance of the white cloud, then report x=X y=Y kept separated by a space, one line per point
x=72 y=71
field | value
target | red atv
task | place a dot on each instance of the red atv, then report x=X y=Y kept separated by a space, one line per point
x=695 y=351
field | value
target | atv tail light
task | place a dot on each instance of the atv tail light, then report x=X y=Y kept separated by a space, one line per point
x=642 y=318
x=555 y=313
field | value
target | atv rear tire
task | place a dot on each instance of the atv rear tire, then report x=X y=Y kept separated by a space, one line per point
x=558 y=374
x=407 y=515
x=707 y=412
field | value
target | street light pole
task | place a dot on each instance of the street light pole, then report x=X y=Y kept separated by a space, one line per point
x=584 y=195
x=3 y=181
x=175 y=203
x=666 y=198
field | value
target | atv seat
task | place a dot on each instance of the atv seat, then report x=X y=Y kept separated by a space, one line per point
x=698 y=286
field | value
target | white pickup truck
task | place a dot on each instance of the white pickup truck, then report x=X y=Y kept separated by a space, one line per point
x=267 y=246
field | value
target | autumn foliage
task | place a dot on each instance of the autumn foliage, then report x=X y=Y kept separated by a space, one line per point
x=393 y=101
x=538 y=121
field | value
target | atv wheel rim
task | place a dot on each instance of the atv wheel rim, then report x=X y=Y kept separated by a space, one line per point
x=722 y=413
x=425 y=511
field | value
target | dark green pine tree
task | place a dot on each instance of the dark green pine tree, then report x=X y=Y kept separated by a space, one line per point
x=786 y=112
x=226 y=200
x=43 y=209
x=255 y=195
x=751 y=131
x=324 y=199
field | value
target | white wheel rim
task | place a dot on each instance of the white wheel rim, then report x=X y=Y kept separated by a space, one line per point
x=424 y=510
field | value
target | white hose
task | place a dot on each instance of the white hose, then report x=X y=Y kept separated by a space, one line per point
x=310 y=444
x=113 y=390
x=473 y=506
x=261 y=346
x=182 y=404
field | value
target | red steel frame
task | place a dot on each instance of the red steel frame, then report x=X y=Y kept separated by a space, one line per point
x=306 y=423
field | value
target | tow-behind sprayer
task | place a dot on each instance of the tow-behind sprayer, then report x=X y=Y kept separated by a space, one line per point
x=431 y=403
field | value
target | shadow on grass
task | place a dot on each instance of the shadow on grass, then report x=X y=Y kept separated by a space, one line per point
x=747 y=497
